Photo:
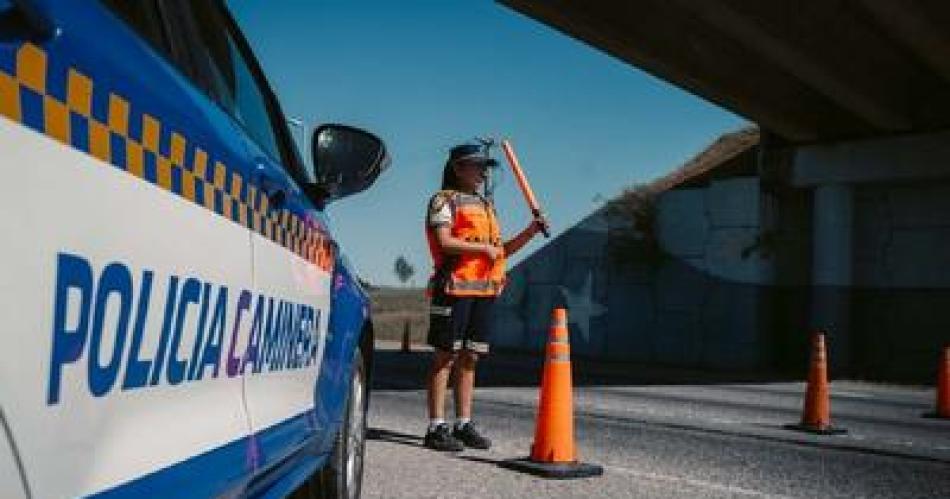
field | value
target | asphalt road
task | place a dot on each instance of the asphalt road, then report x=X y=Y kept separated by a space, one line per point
x=661 y=433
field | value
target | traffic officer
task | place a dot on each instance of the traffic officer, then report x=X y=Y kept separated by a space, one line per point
x=469 y=260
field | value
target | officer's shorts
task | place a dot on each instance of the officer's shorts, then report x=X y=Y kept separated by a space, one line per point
x=460 y=323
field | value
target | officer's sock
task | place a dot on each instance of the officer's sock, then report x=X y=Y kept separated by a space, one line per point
x=461 y=422
x=435 y=423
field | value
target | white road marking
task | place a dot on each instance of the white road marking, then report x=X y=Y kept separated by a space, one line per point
x=701 y=484
x=856 y=395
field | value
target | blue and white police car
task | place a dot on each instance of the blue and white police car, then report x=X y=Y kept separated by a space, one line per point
x=178 y=320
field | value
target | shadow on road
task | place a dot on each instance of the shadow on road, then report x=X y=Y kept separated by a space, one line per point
x=393 y=437
x=396 y=437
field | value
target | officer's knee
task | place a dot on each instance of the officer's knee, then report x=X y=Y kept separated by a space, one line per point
x=443 y=359
x=468 y=358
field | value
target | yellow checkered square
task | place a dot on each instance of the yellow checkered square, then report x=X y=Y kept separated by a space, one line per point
x=118 y=115
x=226 y=205
x=220 y=172
x=279 y=225
x=134 y=158
x=201 y=163
x=209 y=196
x=251 y=195
x=188 y=185
x=264 y=202
x=236 y=185
x=56 y=119
x=151 y=130
x=9 y=97
x=79 y=93
x=242 y=214
x=99 y=141
x=163 y=169
x=178 y=149
x=31 y=67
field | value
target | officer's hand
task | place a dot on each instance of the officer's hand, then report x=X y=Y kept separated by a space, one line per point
x=493 y=252
x=540 y=224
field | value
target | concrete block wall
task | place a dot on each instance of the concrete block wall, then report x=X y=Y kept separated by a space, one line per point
x=697 y=306
x=708 y=288
x=854 y=238
x=902 y=278
x=879 y=264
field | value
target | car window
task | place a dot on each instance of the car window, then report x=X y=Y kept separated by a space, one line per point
x=8 y=17
x=144 y=17
x=232 y=80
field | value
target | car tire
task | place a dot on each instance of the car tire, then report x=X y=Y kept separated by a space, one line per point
x=342 y=476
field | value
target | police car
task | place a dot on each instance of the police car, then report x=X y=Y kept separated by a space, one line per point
x=178 y=320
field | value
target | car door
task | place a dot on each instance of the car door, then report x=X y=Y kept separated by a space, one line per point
x=281 y=350
x=127 y=257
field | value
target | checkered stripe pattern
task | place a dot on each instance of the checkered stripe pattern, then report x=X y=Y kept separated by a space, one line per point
x=106 y=126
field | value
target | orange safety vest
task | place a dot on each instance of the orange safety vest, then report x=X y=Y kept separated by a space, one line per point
x=467 y=274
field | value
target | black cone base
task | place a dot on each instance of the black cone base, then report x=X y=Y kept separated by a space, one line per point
x=828 y=430
x=554 y=470
x=935 y=415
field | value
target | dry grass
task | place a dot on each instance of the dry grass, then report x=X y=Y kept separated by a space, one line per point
x=715 y=155
x=393 y=308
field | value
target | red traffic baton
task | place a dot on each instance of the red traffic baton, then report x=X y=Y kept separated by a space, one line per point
x=523 y=183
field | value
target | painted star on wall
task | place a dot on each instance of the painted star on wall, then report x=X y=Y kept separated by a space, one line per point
x=580 y=305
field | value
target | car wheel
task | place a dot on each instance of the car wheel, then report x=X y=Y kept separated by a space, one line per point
x=342 y=477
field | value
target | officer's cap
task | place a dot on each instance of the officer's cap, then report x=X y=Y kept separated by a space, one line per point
x=470 y=153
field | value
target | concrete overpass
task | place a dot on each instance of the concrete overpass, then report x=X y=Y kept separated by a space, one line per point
x=848 y=195
x=807 y=71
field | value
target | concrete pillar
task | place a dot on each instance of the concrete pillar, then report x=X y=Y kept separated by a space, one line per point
x=833 y=219
x=765 y=334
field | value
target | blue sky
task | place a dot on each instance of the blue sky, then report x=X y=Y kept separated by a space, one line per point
x=425 y=75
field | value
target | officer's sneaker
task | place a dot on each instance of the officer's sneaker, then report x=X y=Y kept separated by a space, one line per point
x=469 y=435
x=440 y=438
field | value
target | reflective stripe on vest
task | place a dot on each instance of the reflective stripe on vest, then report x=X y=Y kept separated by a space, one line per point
x=473 y=274
x=481 y=287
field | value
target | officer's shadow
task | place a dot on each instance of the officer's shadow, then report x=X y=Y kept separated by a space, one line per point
x=384 y=435
x=395 y=437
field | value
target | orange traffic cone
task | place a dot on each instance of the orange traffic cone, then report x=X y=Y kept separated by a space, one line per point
x=552 y=454
x=943 y=386
x=406 y=331
x=816 y=414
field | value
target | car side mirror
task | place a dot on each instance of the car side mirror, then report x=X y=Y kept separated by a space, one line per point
x=25 y=19
x=346 y=161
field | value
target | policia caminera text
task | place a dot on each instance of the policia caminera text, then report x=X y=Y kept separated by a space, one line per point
x=283 y=335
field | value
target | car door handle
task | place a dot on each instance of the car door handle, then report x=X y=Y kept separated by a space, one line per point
x=270 y=186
